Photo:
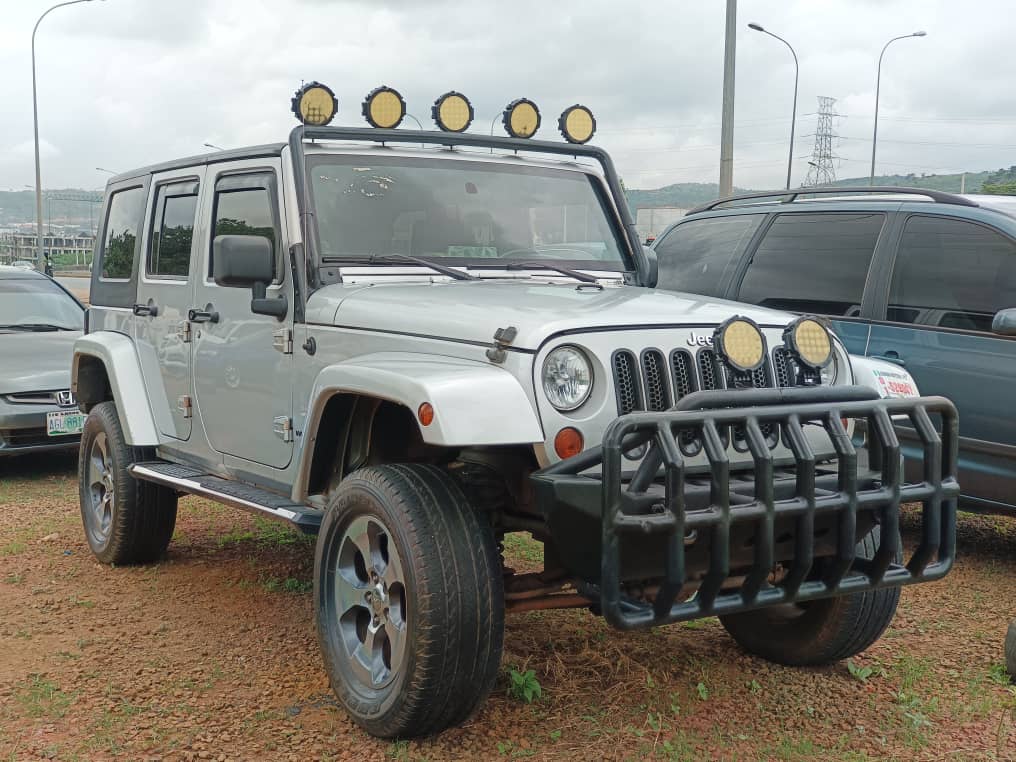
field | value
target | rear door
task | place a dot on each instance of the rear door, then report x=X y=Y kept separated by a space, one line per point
x=817 y=263
x=700 y=256
x=164 y=296
x=949 y=278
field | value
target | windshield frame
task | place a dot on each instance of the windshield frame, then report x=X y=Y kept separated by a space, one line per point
x=608 y=187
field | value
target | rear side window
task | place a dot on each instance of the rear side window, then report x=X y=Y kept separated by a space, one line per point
x=244 y=211
x=126 y=208
x=952 y=273
x=813 y=263
x=173 y=230
x=696 y=256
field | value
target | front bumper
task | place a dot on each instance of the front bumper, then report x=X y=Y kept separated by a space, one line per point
x=712 y=543
x=23 y=430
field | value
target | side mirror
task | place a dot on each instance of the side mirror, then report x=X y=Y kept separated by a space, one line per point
x=652 y=267
x=247 y=261
x=1004 y=322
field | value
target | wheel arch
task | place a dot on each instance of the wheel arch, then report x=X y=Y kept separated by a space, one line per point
x=349 y=400
x=105 y=367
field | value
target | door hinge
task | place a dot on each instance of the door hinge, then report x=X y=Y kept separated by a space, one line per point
x=282 y=340
x=282 y=425
x=184 y=331
x=183 y=404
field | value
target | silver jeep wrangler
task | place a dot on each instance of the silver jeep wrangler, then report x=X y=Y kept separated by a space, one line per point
x=414 y=342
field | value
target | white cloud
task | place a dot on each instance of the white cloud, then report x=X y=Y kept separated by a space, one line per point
x=124 y=83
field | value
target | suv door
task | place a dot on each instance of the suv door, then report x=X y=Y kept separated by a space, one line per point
x=164 y=296
x=700 y=256
x=243 y=362
x=949 y=278
x=817 y=262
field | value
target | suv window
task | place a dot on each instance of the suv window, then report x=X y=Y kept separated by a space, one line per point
x=125 y=212
x=696 y=256
x=952 y=273
x=173 y=230
x=242 y=211
x=813 y=262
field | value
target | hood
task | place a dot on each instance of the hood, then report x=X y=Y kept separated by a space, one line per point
x=31 y=362
x=471 y=311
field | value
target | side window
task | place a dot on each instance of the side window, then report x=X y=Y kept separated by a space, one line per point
x=813 y=263
x=697 y=255
x=241 y=210
x=169 y=253
x=126 y=209
x=951 y=273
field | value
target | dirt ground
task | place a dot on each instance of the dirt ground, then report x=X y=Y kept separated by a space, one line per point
x=211 y=654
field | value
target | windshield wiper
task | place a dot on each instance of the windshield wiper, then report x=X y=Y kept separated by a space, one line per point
x=545 y=266
x=382 y=259
x=34 y=327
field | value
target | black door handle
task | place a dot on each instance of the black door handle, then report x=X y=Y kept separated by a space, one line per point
x=207 y=315
x=891 y=356
x=146 y=310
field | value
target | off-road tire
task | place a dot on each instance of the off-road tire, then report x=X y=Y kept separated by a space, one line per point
x=1010 y=650
x=141 y=516
x=818 y=632
x=452 y=593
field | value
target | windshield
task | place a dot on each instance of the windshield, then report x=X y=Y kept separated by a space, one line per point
x=36 y=302
x=460 y=212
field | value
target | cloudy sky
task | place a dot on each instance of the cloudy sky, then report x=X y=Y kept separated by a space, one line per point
x=124 y=83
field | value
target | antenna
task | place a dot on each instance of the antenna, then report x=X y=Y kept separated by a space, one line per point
x=820 y=169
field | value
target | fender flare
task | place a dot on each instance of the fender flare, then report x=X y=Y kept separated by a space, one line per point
x=116 y=353
x=475 y=404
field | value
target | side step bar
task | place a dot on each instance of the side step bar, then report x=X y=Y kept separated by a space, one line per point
x=236 y=494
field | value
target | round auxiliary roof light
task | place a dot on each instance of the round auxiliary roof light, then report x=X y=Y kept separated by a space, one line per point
x=384 y=108
x=577 y=124
x=452 y=112
x=521 y=118
x=315 y=104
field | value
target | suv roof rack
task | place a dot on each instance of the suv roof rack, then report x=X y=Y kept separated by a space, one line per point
x=789 y=196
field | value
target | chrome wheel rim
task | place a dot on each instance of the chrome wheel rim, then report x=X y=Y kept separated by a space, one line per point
x=101 y=499
x=370 y=602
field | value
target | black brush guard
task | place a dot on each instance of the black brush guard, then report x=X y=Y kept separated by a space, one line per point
x=653 y=501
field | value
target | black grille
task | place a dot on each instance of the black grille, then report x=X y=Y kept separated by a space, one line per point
x=709 y=372
x=654 y=370
x=783 y=368
x=626 y=382
x=32 y=437
x=683 y=373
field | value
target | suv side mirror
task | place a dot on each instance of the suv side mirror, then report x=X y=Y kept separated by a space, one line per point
x=652 y=267
x=1004 y=322
x=247 y=261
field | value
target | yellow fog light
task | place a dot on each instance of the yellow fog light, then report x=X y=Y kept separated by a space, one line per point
x=315 y=104
x=577 y=124
x=740 y=343
x=384 y=108
x=452 y=112
x=521 y=118
x=810 y=342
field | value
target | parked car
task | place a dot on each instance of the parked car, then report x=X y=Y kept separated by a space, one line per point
x=39 y=322
x=922 y=279
x=412 y=351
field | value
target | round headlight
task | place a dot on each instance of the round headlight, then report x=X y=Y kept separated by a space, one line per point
x=567 y=378
x=739 y=341
x=384 y=108
x=810 y=341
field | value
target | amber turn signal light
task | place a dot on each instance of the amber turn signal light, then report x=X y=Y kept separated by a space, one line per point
x=426 y=414
x=568 y=442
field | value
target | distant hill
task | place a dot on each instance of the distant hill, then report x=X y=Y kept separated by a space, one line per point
x=687 y=195
x=59 y=204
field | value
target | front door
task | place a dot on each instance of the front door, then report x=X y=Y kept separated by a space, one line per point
x=949 y=279
x=242 y=361
x=164 y=296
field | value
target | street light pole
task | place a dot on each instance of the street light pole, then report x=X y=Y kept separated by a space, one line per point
x=727 y=118
x=878 y=84
x=39 y=264
x=793 y=113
